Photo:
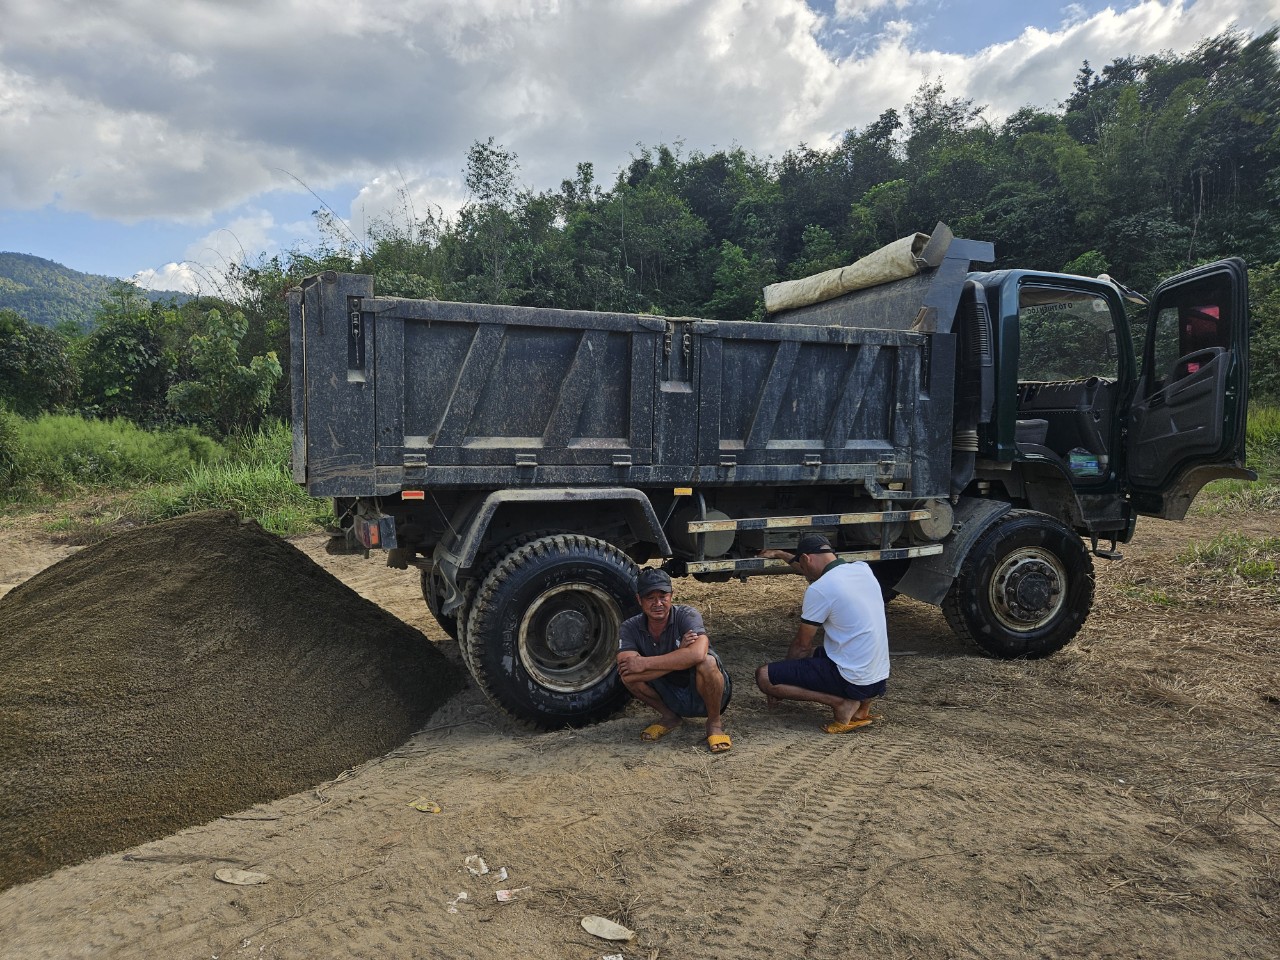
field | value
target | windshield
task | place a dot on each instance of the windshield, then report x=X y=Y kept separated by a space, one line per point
x=1065 y=335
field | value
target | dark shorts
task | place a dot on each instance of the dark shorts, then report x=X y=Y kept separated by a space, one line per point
x=679 y=691
x=820 y=673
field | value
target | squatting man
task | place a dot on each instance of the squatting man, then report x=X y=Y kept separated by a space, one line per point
x=666 y=661
x=852 y=667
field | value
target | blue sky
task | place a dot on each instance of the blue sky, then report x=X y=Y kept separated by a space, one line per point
x=164 y=140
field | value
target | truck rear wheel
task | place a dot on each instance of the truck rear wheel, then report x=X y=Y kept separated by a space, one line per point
x=1025 y=588
x=542 y=636
x=887 y=574
x=433 y=592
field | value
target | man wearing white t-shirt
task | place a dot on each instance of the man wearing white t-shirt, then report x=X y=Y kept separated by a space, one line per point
x=852 y=667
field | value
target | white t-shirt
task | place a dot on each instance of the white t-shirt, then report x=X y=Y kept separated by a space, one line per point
x=846 y=602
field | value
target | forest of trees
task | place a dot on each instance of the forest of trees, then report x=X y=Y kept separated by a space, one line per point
x=1149 y=165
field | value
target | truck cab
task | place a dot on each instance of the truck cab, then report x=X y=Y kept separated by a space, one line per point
x=1107 y=405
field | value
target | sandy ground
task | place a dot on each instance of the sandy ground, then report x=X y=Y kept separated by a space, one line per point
x=1117 y=800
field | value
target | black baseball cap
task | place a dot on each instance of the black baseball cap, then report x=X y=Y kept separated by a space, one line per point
x=651 y=579
x=813 y=543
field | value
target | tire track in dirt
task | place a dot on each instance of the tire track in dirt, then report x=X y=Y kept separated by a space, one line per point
x=985 y=817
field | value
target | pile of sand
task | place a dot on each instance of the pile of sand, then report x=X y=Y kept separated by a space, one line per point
x=186 y=670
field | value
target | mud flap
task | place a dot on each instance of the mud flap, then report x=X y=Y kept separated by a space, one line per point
x=929 y=578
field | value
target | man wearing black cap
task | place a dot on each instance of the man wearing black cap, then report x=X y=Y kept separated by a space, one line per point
x=852 y=666
x=665 y=659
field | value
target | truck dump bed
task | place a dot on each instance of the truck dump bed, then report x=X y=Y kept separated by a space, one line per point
x=392 y=393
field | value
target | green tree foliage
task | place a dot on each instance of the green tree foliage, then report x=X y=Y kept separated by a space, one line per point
x=222 y=392
x=1264 y=359
x=740 y=280
x=1150 y=165
x=818 y=252
x=36 y=372
x=126 y=364
x=487 y=224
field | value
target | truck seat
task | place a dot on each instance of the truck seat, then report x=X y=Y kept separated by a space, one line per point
x=1031 y=432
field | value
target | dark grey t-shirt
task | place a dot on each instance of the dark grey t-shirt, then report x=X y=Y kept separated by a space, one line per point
x=635 y=635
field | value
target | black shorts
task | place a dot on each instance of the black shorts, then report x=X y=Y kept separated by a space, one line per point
x=820 y=673
x=679 y=690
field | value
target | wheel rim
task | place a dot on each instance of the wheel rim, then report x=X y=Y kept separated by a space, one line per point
x=569 y=637
x=1028 y=589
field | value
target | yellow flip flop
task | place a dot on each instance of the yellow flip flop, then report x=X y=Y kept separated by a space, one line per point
x=719 y=743
x=836 y=726
x=656 y=731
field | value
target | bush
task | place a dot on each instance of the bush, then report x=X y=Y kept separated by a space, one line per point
x=14 y=465
x=65 y=451
x=254 y=480
x=36 y=372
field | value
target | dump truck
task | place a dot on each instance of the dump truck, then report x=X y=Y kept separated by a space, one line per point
x=976 y=436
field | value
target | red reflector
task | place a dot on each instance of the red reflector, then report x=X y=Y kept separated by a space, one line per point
x=412 y=495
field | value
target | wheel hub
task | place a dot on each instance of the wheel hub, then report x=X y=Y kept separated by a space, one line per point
x=1028 y=589
x=567 y=633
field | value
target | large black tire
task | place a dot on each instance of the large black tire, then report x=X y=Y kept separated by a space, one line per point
x=455 y=624
x=433 y=593
x=542 y=637
x=887 y=574
x=1025 y=588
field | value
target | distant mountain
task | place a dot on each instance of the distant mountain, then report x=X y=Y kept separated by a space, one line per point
x=48 y=293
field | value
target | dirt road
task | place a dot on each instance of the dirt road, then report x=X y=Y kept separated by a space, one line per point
x=1119 y=799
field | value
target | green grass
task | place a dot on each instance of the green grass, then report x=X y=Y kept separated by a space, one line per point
x=253 y=480
x=1262 y=455
x=99 y=475
x=60 y=454
x=1262 y=441
x=1234 y=556
x=1142 y=594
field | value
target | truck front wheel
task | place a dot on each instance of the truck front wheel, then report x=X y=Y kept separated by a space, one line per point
x=542 y=636
x=1025 y=588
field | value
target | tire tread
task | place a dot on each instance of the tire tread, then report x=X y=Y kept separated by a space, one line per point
x=955 y=602
x=505 y=567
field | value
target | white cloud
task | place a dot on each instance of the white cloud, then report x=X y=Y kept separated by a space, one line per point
x=137 y=109
x=206 y=261
x=1038 y=67
x=179 y=277
x=398 y=203
x=856 y=10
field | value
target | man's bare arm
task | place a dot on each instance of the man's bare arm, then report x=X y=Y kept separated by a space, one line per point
x=772 y=554
x=802 y=645
x=693 y=650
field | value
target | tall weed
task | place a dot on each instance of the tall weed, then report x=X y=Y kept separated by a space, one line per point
x=14 y=465
x=254 y=481
x=1262 y=455
x=1262 y=440
x=63 y=452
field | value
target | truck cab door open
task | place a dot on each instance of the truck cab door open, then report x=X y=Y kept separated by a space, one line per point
x=1187 y=424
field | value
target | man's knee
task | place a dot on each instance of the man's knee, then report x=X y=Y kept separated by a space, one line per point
x=635 y=686
x=707 y=675
x=762 y=678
